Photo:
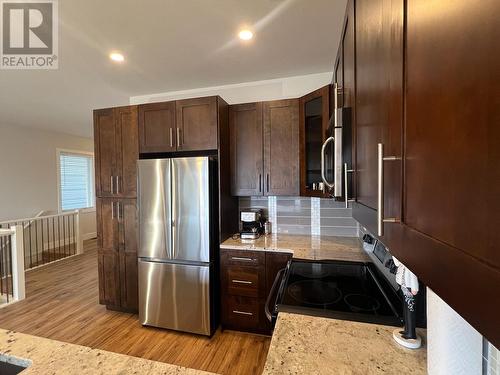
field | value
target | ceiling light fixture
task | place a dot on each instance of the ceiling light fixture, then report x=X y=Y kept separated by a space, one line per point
x=245 y=34
x=117 y=57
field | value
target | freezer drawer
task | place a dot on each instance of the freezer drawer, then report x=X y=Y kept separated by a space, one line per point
x=175 y=296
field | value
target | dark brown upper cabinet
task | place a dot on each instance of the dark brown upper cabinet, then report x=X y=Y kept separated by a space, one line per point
x=314 y=120
x=157 y=128
x=427 y=143
x=265 y=148
x=345 y=78
x=379 y=113
x=452 y=153
x=105 y=151
x=182 y=125
x=116 y=152
x=281 y=147
x=247 y=164
x=197 y=124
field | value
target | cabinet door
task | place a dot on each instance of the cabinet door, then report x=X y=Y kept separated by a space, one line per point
x=347 y=99
x=314 y=118
x=107 y=224
x=197 y=124
x=128 y=151
x=105 y=144
x=452 y=153
x=281 y=147
x=108 y=257
x=127 y=217
x=379 y=104
x=453 y=142
x=109 y=279
x=157 y=128
x=245 y=129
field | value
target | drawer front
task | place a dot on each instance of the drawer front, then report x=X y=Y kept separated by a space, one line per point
x=243 y=313
x=242 y=281
x=243 y=257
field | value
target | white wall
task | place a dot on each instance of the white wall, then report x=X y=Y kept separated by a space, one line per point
x=454 y=346
x=28 y=172
x=281 y=88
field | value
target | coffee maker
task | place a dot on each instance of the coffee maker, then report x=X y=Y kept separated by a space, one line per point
x=251 y=224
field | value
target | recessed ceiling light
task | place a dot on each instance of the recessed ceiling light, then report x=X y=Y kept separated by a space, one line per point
x=116 y=57
x=245 y=34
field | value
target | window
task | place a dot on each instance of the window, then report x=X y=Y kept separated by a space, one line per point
x=76 y=180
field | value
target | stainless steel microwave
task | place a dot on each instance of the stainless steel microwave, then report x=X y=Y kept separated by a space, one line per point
x=336 y=152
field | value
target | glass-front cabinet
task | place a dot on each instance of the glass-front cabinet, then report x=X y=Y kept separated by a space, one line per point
x=314 y=119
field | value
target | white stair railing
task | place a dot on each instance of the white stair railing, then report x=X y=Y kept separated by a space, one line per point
x=48 y=238
x=12 y=280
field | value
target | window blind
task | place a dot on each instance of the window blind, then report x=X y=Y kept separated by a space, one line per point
x=76 y=181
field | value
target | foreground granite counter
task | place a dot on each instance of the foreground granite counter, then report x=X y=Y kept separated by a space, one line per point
x=304 y=247
x=55 y=357
x=312 y=345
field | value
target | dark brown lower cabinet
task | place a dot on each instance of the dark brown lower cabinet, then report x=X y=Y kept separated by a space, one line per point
x=117 y=253
x=246 y=279
x=109 y=278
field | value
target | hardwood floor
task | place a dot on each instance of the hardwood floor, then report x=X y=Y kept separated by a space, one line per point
x=62 y=304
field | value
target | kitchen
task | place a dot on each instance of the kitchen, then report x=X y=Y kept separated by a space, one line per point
x=345 y=227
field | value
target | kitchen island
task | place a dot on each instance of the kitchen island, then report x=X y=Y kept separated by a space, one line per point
x=45 y=356
x=304 y=344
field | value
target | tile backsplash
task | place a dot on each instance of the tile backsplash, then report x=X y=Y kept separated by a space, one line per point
x=491 y=359
x=302 y=215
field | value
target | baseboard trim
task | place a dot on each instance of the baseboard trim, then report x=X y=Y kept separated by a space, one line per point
x=89 y=236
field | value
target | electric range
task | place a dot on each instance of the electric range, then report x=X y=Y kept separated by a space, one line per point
x=336 y=289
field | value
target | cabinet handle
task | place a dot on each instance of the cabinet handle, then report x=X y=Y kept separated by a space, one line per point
x=120 y=210
x=346 y=171
x=178 y=137
x=337 y=153
x=260 y=183
x=112 y=210
x=242 y=282
x=171 y=137
x=267 y=182
x=323 y=149
x=243 y=259
x=380 y=191
x=242 y=312
x=112 y=185
x=117 y=184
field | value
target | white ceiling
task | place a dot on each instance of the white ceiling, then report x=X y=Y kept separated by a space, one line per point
x=169 y=45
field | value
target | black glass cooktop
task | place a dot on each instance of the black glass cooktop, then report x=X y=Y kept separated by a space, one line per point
x=343 y=290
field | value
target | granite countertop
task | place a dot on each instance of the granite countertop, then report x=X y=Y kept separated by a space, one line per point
x=304 y=247
x=312 y=345
x=55 y=357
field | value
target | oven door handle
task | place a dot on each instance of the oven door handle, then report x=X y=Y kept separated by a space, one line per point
x=276 y=282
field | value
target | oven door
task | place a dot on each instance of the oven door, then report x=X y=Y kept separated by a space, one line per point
x=276 y=294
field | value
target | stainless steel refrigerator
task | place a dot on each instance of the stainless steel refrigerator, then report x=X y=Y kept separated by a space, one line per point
x=176 y=200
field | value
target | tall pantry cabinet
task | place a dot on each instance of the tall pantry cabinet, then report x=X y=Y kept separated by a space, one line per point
x=116 y=154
